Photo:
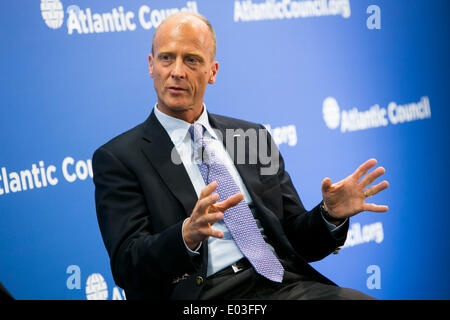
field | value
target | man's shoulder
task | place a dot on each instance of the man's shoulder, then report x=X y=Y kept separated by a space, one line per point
x=124 y=141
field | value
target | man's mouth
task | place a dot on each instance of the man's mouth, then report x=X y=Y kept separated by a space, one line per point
x=176 y=89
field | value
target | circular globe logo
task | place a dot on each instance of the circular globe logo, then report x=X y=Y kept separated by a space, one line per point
x=53 y=13
x=331 y=113
x=96 y=288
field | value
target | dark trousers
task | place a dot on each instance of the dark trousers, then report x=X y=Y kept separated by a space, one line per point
x=247 y=284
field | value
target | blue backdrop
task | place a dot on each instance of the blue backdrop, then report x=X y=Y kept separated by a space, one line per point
x=336 y=81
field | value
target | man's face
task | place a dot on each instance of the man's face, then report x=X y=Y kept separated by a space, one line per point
x=182 y=66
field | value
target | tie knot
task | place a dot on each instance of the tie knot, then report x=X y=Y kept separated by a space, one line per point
x=196 y=131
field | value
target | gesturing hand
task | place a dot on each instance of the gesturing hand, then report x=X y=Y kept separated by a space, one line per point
x=347 y=197
x=207 y=212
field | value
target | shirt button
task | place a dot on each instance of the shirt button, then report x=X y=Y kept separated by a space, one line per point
x=199 y=280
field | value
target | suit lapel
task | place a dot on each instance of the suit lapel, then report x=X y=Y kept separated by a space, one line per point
x=159 y=150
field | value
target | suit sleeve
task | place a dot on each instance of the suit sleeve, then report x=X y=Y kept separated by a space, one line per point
x=307 y=231
x=139 y=258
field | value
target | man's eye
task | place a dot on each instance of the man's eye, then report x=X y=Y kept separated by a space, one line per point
x=192 y=60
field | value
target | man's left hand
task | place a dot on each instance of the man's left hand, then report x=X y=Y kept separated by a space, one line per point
x=347 y=197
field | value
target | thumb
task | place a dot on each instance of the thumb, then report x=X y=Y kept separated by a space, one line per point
x=326 y=185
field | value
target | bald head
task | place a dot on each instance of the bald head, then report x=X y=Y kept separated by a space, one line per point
x=180 y=19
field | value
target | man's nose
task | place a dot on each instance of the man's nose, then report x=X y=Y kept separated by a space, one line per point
x=178 y=70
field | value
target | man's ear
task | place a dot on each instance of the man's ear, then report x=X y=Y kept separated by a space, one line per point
x=213 y=72
x=150 y=65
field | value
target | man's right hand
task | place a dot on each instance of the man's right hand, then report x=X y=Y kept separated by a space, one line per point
x=207 y=212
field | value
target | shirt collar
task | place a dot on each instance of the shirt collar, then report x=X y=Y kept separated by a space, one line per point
x=177 y=129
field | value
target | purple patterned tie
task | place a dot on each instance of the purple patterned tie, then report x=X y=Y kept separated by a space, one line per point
x=238 y=219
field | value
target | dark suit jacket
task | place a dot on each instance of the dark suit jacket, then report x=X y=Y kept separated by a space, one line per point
x=142 y=199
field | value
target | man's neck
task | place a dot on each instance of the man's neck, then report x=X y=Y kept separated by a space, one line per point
x=189 y=115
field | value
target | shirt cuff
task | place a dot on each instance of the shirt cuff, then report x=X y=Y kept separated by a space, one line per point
x=191 y=253
x=331 y=227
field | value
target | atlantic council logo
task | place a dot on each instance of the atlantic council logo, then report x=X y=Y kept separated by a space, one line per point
x=354 y=119
x=87 y=21
x=331 y=113
x=96 y=287
x=53 y=13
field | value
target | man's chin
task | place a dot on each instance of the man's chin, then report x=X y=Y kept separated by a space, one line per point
x=179 y=107
x=175 y=107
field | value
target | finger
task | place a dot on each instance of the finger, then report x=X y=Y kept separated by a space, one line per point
x=371 y=177
x=211 y=218
x=203 y=204
x=375 y=189
x=206 y=191
x=362 y=170
x=326 y=185
x=375 y=208
x=230 y=202
x=210 y=232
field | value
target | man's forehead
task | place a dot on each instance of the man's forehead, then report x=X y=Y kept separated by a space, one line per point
x=185 y=45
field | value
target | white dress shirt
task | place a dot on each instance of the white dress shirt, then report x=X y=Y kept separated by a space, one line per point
x=221 y=252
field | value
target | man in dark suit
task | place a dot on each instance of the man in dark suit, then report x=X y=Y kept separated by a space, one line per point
x=169 y=230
